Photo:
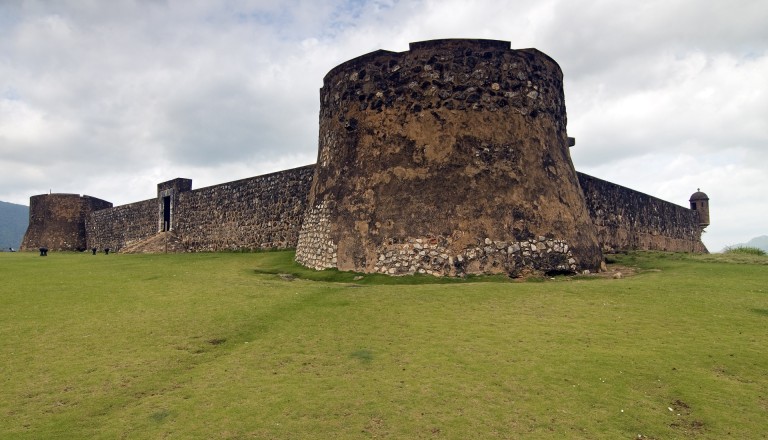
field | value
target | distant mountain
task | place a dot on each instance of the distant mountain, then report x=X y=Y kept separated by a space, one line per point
x=13 y=224
x=760 y=242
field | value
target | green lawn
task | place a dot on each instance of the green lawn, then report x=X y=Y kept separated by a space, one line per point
x=220 y=346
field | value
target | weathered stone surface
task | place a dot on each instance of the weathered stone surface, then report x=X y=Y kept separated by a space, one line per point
x=262 y=212
x=630 y=220
x=455 y=142
x=122 y=225
x=57 y=221
x=433 y=256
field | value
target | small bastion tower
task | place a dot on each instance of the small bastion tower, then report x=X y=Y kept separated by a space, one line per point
x=449 y=159
x=57 y=221
x=700 y=204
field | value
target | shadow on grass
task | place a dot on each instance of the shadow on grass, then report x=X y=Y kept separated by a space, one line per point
x=363 y=355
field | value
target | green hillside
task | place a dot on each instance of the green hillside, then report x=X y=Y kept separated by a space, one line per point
x=230 y=346
x=13 y=224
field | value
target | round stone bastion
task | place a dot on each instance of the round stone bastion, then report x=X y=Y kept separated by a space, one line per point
x=449 y=159
x=57 y=221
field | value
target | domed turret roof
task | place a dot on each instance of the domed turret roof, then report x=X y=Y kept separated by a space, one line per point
x=698 y=195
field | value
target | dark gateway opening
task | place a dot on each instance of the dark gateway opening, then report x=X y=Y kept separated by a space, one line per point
x=167 y=213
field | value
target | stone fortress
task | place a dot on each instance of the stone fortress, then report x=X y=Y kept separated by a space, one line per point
x=451 y=158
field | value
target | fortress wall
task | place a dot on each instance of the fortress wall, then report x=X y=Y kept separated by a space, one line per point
x=450 y=158
x=263 y=212
x=57 y=221
x=630 y=220
x=122 y=225
x=267 y=211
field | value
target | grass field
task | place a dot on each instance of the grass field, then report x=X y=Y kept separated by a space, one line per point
x=220 y=346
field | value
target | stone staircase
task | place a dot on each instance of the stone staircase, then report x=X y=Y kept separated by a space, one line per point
x=160 y=243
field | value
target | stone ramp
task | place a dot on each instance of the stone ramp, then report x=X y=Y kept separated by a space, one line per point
x=162 y=242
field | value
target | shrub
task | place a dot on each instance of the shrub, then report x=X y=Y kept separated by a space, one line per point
x=747 y=250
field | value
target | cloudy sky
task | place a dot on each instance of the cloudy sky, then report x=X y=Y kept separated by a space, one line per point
x=109 y=98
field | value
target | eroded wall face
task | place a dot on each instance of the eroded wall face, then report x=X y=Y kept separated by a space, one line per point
x=263 y=212
x=448 y=159
x=57 y=221
x=630 y=220
x=122 y=225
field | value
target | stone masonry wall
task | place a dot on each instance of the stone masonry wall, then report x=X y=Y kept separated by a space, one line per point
x=57 y=221
x=630 y=220
x=318 y=250
x=262 y=212
x=122 y=225
x=451 y=158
